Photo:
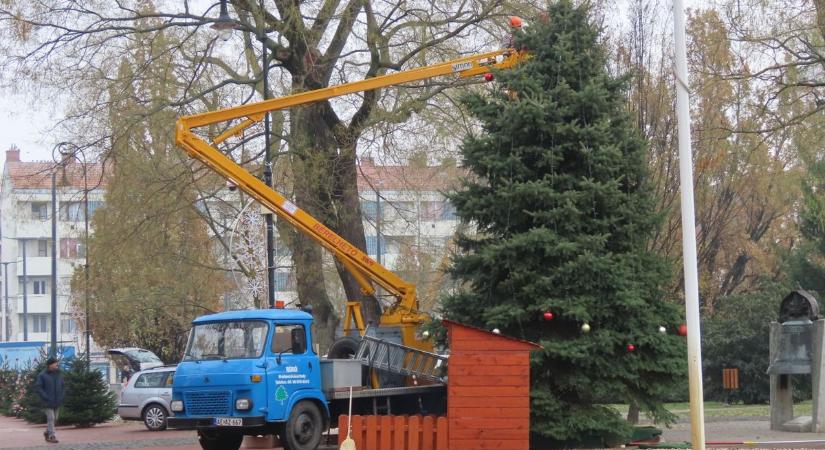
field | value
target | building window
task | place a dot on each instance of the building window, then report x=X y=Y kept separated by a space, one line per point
x=67 y=324
x=432 y=210
x=406 y=210
x=369 y=209
x=42 y=247
x=281 y=280
x=40 y=323
x=93 y=205
x=39 y=287
x=40 y=210
x=72 y=211
x=372 y=247
x=72 y=248
x=449 y=212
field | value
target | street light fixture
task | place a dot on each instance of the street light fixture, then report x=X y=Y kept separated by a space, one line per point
x=225 y=25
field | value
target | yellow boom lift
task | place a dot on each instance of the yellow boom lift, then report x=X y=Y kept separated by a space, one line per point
x=404 y=313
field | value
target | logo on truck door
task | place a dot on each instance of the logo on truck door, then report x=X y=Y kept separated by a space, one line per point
x=281 y=394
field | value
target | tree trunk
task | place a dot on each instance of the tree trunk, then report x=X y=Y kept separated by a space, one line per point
x=633 y=413
x=326 y=183
x=306 y=256
x=349 y=225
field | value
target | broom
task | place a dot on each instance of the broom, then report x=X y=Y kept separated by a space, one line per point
x=348 y=443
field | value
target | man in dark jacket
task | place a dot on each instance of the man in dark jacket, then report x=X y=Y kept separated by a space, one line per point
x=49 y=387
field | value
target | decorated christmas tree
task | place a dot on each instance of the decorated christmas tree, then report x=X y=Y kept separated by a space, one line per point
x=88 y=398
x=562 y=216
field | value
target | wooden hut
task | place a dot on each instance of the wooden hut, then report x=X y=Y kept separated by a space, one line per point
x=488 y=389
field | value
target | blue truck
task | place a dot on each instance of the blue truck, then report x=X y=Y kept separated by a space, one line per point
x=254 y=372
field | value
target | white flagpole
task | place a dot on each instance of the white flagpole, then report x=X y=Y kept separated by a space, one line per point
x=697 y=420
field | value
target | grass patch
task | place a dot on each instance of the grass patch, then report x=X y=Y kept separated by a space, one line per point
x=719 y=409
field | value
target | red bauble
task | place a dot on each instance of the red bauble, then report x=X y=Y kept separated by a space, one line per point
x=489 y=76
x=631 y=348
x=682 y=330
x=548 y=316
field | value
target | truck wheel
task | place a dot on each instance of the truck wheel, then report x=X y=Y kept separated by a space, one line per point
x=154 y=417
x=304 y=428
x=216 y=440
x=344 y=348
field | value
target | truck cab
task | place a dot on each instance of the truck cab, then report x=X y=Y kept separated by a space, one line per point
x=251 y=372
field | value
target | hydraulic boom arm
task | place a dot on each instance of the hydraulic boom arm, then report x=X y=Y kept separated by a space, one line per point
x=363 y=268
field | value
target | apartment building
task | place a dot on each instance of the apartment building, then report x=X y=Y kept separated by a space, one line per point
x=26 y=244
x=408 y=225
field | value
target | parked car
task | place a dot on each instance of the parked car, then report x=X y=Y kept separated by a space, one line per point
x=146 y=397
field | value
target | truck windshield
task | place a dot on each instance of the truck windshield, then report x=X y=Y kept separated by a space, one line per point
x=227 y=340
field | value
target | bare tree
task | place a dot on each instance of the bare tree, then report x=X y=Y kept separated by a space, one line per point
x=71 y=46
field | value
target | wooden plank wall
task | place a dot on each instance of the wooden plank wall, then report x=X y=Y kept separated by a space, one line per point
x=395 y=432
x=488 y=391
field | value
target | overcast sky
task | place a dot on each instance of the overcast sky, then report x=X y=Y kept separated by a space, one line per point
x=26 y=125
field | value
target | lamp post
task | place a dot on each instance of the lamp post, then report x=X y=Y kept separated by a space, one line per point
x=224 y=26
x=53 y=333
x=88 y=331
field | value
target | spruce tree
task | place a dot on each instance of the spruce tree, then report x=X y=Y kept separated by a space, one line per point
x=562 y=216
x=30 y=406
x=806 y=262
x=88 y=398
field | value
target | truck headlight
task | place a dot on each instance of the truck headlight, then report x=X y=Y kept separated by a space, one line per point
x=243 y=404
x=176 y=406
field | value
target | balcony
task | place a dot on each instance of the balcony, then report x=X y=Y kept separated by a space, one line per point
x=33 y=229
x=42 y=266
x=38 y=304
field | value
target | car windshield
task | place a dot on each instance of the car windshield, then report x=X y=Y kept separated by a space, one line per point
x=227 y=340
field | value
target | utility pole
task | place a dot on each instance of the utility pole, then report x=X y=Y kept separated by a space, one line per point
x=377 y=226
x=694 y=343
x=6 y=318
x=25 y=294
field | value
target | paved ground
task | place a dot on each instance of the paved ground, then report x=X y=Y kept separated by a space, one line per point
x=17 y=434
x=743 y=429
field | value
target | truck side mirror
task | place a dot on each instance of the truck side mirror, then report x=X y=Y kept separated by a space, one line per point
x=299 y=342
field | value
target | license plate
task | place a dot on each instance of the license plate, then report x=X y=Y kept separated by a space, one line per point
x=229 y=421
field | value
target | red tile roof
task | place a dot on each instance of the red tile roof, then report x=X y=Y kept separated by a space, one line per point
x=38 y=174
x=430 y=178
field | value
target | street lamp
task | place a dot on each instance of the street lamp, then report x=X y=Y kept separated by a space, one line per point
x=73 y=154
x=53 y=348
x=225 y=25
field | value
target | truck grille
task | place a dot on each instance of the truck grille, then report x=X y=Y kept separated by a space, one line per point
x=208 y=403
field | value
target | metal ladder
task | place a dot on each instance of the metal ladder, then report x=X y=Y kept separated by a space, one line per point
x=396 y=358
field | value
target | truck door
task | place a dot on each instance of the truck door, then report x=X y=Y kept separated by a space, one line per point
x=289 y=367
